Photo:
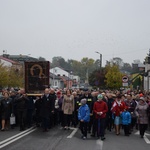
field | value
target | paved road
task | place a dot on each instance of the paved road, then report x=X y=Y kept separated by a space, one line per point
x=58 y=139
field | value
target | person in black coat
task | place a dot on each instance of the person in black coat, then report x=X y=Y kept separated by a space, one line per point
x=21 y=106
x=94 y=95
x=52 y=108
x=47 y=108
x=14 y=112
x=6 y=109
x=30 y=110
x=37 y=105
x=77 y=104
x=109 y=118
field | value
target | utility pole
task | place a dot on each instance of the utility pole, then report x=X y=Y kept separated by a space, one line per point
x=148 y=71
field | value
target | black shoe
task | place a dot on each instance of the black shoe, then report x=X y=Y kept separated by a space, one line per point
x=92 y=135
x=2 y=129
x=45 y=130
x=84 y=138
x=127 y=134
x=103 y=138
x=141 y=136
x=37 y=125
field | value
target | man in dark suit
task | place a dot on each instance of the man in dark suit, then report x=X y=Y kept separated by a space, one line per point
x=21 y=102
x=52 y=108
x=45 y=109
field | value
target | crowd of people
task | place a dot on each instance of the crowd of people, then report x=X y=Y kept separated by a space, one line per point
x=93 y=111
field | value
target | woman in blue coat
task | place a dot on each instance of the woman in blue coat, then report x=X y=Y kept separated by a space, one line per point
x=84 y=117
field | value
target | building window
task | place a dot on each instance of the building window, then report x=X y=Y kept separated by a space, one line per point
x=54 y=71
x=55 y=83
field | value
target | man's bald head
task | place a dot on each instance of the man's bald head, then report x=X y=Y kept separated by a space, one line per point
x=46 y=91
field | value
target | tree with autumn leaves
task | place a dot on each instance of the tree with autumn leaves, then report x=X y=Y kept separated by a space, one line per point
x=10 y=77
x=88 y=69
x=113 y=77
x=97 y=79
x=109 y=77
x=3 y=76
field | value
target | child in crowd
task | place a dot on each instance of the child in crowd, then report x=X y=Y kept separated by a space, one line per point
x=126 y=121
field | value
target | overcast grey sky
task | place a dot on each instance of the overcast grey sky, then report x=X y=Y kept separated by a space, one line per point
x=75 y=29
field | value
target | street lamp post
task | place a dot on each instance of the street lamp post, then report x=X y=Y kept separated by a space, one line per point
x=100 y=65
x=53 y=77
x=69 y=79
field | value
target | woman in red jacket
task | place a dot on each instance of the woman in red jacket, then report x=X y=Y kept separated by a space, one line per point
x=117 y=108
x=100 y=109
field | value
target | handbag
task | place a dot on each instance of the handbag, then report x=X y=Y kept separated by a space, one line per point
x=12 y=119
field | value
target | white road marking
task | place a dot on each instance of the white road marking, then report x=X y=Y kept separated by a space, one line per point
x=72 y=133
x=16 y=137
x=145 y=137
x=137 y=133
x=4 y=141
x=99 y=144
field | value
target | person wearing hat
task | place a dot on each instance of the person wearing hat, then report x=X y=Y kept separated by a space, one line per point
x=131 y=104
x=84 y=117
x=141 y=111
x=100 y=109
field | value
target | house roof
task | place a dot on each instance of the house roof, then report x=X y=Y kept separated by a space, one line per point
x=61 y=68
x=9 y=60
x=22 y=57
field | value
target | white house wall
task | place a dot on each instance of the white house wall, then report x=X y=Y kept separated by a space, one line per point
x=77 y=78
x=6 y=63
x=58 y=71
